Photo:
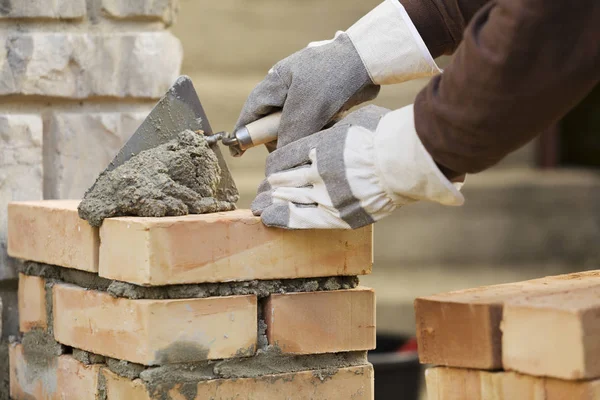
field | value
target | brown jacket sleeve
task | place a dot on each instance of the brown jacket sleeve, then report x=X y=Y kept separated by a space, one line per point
x=521 y=66
x=441 y=23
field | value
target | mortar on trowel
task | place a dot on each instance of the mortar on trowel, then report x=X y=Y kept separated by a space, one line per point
x=172 y=165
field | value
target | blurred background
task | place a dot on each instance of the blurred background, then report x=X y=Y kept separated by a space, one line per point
x=537 y=213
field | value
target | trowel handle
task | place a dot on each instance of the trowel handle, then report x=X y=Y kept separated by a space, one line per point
x=259 y=132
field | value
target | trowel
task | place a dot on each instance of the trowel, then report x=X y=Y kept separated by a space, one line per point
x=180 y=109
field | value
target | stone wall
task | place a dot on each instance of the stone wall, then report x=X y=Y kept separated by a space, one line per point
x=77 y=78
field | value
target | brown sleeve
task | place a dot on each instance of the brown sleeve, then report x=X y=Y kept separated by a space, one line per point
x=523 y=64
x=441 y=23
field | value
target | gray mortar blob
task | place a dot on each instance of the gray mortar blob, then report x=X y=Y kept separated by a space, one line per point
x=176 y=178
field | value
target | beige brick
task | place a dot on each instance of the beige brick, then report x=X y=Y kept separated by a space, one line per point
x=354 y=383
x=56 y=9
x=21 y=173
x=460 y=384
x=153 y=332
x=221 y=247
x=462 y=328
x=32 y=303
x=554 y=335
x=79 y=146
x=61 y=378
x=82 y=65
x=164 y=10
x=322 y=322
x=51 y=232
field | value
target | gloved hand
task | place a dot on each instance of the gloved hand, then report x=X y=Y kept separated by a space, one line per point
x=352 y=174
x=315 y=84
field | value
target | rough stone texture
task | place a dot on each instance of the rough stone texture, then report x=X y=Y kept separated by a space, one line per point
x=59 y=9
x=164 y=10
x=177 y=178
x=79 y=146
x=20 y=171
x=51 y=232
x=81 y=65
x=88 y=358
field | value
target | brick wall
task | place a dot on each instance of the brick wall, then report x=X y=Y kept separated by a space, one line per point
x=77 y=78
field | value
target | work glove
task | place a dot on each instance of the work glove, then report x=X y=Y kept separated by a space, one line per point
x=352 y=174
x=315 y=84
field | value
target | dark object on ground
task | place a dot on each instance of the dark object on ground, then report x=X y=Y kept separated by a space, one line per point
x=398 y=375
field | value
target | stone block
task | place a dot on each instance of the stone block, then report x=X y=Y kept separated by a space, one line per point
x=155 y=332
x=60 y=378
x=51 y=232
x=56 y=9
x=354 y=383
x=553 y=335
x=82 y=65
x=460 y=384
x=32 y=303
x=222 y=247
x=164 y=10
x=79 y=146
x=322 y=322
x=462 y=328
x=21 y=174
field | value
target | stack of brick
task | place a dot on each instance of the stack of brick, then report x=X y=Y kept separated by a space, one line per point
x=212 y=306
x=531 y=340
x=77 y=77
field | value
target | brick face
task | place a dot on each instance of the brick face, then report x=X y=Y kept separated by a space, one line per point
x=222 y=247
x=61 y=378
x=153 y=332
x=322 y=322
x=81 y=65
x=80 y=145
x=20 y=171
x=32 y=303
x=51 y=232
x=354 y=383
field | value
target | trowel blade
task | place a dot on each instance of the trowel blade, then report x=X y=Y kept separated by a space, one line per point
x=179 y=109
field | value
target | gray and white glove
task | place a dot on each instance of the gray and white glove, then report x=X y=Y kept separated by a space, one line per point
x=352 y=174
x=315 y=84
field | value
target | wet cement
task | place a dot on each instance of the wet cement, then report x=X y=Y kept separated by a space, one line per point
x=177 y=178
x=87 y=358
x=160 y=380
x=261 y=289
x=124 y=368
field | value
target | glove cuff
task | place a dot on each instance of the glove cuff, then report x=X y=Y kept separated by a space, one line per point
x=406 y=169
x=390 y=45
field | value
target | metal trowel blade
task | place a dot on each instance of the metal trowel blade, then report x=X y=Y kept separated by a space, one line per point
x=179 y=109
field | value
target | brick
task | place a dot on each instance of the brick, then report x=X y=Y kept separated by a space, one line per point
x=82 y=65
x=554 y=335
x=153 y=332
x=462 y=328
x=79 y=146
x=221 y=247
x=21 y=169
x=354 y=383
x=164 y=10
x=32 y=303
x=51 y=232
x=322 y=322
x=459 y=384
x=62 y=378
x=56 y=9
